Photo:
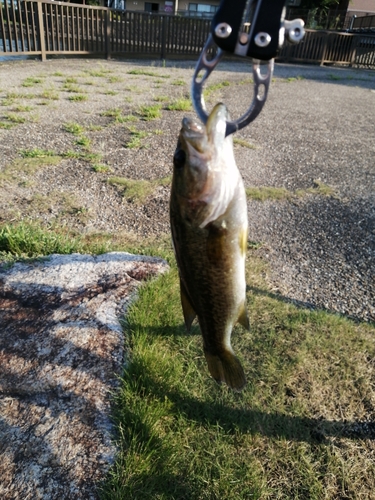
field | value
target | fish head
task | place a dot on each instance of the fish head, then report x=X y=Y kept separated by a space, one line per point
x=198 y=156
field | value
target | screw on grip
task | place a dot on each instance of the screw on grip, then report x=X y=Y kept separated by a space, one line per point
x=254 y=28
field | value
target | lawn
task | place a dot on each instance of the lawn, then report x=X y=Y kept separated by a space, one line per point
x=300 y=429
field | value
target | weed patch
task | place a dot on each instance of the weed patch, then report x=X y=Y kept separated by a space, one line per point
x=78 y=97
x=73 y=128
x=83 y=141
x=150 y=112
x=264 y=193
x=182 y=104
x=101 y=168
x=208 y=91
x=137 y=191
x=144 y=72
x=243 y=143
x=50 y=94
x=15 y=118
x=31 y=81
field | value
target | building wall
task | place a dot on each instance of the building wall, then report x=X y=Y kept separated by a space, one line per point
x=362 y=6
x=167 y=5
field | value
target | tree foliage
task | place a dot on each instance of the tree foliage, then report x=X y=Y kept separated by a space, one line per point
x=320 y=4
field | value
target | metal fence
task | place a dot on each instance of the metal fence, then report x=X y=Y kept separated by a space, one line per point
x=44 y=27
x=364 y=23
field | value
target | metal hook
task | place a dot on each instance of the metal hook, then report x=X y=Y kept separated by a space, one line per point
x=261 y=85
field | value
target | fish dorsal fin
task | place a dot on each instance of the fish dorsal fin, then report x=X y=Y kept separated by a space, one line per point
x=187 y=308
x=243 y=318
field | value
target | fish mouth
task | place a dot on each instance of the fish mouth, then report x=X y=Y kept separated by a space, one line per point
x=194 y=134
x=199 y=136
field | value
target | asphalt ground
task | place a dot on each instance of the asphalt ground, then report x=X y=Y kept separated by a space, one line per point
x=317 y=128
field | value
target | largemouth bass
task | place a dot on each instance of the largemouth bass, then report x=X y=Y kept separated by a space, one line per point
x=208 y=215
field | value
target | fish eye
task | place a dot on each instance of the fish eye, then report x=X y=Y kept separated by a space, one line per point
x=179 y=158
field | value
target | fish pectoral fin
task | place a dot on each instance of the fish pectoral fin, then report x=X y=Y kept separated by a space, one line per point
x=243 y=318
x=187 y=308
x=226 y=368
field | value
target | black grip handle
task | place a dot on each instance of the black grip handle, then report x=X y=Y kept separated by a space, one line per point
x=265 y=20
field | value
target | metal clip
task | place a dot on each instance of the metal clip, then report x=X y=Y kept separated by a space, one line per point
x=207 y=65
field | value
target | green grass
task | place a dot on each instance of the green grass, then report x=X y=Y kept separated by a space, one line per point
x=71 y=79
x=15 y=118
x=294 y=78
x=243 y=143
x=71 y=87
x=30 y=160
x=88 y=157
x=267 y=193
x=319 y=188
x=18 y=95
x=161 y=98
x=78 y=97
x=20 y=108
x=73 y=128
x=116 y=114
x=37 y=153
x=150 y=112
x=50 y=94
x=137 y=191
x=287 y=435
x=101 y=168
x=100 y=73
x=136 y=136
x=178 y=82
x=210 y=89
x=182 y=104
x=144 y=72
x=31 y=81
x=114 y=79
x=30 y=240
x=295 y=432
x=83 y=141
x=6 y=125
x=94 y=128
x=263 y=193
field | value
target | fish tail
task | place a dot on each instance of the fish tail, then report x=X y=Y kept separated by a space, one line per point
x=227 y=368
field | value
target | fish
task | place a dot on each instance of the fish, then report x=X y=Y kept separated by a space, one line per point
x=209 y=226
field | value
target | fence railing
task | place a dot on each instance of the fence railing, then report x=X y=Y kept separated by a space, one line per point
x=363 y=23
x=44 y=27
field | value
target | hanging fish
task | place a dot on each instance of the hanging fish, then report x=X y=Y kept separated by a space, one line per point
x=208 y=214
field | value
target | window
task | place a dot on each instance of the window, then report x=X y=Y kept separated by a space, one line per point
x=202 y=8
x=151 y=7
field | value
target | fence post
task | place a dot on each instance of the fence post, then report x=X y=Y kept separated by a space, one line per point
x=42 y=39
x=353 y=48
x=108 y=33
x=325 y=48
x=163 y=37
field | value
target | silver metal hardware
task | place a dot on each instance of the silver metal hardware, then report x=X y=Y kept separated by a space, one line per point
x=223 y=30
x=262 y=39
x=294 y=30
x=243 y=38
x=206 y=66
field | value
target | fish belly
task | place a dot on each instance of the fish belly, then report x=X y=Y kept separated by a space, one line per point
x=211 y=262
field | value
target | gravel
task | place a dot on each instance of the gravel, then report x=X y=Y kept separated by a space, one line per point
x=317 y=126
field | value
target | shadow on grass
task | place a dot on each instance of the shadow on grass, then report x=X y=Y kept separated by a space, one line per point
x=253 y=421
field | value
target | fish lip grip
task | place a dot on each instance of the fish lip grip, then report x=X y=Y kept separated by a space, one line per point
x=261 y=85
x=259 y=39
